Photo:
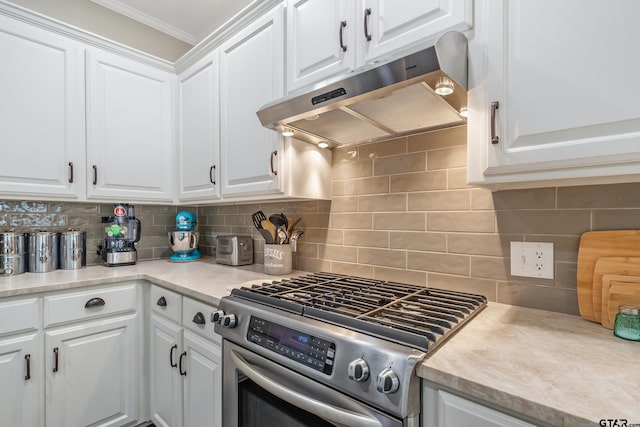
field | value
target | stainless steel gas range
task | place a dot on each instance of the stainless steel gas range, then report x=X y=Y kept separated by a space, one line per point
x=332 y=350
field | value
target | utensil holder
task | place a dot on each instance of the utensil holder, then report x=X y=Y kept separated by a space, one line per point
x=277 y=259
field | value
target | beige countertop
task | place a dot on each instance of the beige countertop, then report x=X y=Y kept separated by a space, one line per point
x=557 y=368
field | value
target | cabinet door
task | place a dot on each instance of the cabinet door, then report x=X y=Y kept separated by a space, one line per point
x=396 y=25
x=91 y=375
x=321 y=40
x=21 y=376
x=41 y=114
x=203 y=382
x=199 y=122
x=165 y=382
x=564 y=113
x=251 y=74
x=129 y=131
x=454 y=411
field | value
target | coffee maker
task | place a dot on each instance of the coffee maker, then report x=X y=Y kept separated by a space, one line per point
x=121 y=232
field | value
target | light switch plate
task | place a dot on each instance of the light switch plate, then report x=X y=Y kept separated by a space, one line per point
x=532 y=259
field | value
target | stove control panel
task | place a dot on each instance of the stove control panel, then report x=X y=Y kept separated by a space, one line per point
x=306 y=349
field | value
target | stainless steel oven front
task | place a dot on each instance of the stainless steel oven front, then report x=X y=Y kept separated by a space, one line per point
x=283 y=370
x=258 y=392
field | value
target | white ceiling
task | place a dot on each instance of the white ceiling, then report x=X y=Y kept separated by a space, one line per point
x=187 y=20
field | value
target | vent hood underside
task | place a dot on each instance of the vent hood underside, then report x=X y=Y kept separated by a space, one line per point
x=389 y=101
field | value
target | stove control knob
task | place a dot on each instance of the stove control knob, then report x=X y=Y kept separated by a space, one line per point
x=358 y=370
x=216 y=316
x=387 y=381
x=228 y=320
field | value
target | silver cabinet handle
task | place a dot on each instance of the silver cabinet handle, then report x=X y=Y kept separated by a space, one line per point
x=494 y=138
x=367 y=14
x=343 y=24
x=274 y=154
x=71 y=172
x=326 y=411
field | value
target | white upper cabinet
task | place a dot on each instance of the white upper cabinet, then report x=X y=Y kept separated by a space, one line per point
x=326 y=38
x=251 y=74
x=199 y=131
x=130 y=154
x=41 y=113
x=320 y=40
x=567 y=91
x=390 y=26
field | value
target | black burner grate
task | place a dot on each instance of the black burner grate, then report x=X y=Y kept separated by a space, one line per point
x=413 y=315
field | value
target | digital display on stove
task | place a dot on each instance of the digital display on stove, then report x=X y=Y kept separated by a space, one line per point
x=306 y=349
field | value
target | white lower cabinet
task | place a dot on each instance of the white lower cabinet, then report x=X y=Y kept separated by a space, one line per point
x=443 y=409
x=92 y=359
x=186 y=363
x=91 y=373
x=22 y=390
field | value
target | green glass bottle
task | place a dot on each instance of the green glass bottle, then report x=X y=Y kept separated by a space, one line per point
x=627 y=324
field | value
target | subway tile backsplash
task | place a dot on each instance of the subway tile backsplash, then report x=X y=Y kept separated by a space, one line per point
x=401 y=210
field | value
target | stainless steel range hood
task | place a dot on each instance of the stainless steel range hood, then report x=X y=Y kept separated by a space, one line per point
x=395 y=99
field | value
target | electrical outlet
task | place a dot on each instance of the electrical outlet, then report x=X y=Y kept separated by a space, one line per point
x=532 y=259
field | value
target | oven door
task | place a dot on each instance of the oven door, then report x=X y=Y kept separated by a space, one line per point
x=260 y=392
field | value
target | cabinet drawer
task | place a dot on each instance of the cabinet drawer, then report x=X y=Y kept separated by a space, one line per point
x=170 y=306
x=18 y=315
x=86 y=304
x=190 y=310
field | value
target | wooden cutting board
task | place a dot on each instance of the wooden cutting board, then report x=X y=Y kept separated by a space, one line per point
x=616 y=291
x=621 y=266
x=594 y=245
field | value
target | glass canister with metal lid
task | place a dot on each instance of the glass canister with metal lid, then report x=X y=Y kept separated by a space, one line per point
x=12 y=253
x=627 y=323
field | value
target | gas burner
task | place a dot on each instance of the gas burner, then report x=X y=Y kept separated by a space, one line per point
x=415 y=316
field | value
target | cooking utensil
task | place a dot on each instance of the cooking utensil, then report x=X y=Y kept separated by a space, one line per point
x=594 y=245
x=618 y=290
x=295 y=235
x=277 y=221
x=283 y=237
x=270 y=228
x=291 y=225
x=624 y=266
x=257 y=219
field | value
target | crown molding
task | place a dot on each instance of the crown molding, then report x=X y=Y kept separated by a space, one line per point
x=253 y=11
x=148 y=20
x=41 y=21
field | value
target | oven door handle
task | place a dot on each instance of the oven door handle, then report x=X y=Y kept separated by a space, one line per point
x=323 y=410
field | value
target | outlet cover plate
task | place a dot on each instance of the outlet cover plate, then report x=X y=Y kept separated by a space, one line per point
x=532 y=259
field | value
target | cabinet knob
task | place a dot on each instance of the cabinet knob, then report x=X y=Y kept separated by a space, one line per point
x=162 y=302
x=199 y=319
